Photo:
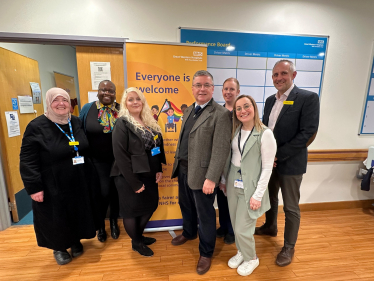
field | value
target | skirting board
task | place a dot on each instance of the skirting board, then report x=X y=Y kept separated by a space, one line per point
x=324 y=206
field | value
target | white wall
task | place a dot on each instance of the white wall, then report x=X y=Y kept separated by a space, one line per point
x=348 y=23
x=50 y=58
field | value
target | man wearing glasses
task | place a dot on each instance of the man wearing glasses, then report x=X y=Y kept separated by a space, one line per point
x=203 y=147
x=293 y=116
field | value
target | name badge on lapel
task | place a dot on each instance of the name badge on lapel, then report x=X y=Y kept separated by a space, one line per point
x=289 y=102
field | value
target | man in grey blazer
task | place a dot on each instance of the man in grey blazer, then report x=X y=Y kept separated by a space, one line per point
x=293 y=115
x=203 y=147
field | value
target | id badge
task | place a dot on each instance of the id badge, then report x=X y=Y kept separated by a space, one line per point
x=78 y=160
x=239 y=184
x=155 y=151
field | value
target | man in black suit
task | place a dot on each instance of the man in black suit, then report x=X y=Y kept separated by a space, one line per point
x=293 y=116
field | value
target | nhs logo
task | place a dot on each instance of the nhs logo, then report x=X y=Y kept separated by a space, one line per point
x=198 y=54
x=320 y=41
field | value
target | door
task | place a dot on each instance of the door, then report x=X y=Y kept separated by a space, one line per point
x=85 y=55
x=16 y=73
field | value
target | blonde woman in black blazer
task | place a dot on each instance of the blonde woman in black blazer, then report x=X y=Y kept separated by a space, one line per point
x=137 y=170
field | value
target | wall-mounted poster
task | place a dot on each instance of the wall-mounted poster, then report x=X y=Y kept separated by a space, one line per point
x=99 y=71
x=25 y=104
x=12 y=122
x=36 y=93
x=250 y=57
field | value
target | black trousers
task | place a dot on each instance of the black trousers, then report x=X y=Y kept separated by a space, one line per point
x=197 y=208
x=223 y=212
x=108 y=190
x=290 y=188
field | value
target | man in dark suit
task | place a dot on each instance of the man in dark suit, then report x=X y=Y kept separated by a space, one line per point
x=203 y=147
x=293 y=115
x=230 y=91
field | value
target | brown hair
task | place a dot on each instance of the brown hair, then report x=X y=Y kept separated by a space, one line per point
x=235 y=121
x=232 y=79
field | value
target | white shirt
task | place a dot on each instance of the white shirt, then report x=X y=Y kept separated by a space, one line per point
x=204 y=105
x=278 y=105
x=268 y=151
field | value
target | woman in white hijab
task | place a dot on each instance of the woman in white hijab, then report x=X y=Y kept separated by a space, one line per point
x=57 y=174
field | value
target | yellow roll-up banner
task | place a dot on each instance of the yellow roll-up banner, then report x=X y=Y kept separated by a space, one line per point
x=164 y=74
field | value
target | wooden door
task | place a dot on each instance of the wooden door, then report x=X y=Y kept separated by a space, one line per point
x=16 y=73
x=85 y=55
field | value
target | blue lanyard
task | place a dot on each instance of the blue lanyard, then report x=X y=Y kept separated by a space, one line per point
x=71 y=133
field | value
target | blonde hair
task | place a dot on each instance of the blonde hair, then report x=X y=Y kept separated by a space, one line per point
x=146 y=113
x=235 y=121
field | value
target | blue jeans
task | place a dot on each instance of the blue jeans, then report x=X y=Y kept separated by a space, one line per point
x=197 y=208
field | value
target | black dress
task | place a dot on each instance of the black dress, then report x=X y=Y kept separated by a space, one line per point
x=68 y=211
x=102 y=158
x=134 y=166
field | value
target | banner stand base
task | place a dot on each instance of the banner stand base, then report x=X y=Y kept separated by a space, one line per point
x=169 y=228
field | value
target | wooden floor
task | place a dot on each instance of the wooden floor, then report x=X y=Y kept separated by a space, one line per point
x=332 y=245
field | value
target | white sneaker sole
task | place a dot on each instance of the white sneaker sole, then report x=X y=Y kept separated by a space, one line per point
x=248 y=273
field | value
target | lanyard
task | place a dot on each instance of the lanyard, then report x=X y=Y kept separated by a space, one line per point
x=240 y=136
x=153 y=135
x=71 y=139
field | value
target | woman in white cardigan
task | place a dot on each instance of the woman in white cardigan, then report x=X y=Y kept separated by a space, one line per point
x=247 y=170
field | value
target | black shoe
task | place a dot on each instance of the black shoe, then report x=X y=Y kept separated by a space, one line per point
x=76 y=249
x=265 y=230
x=101 y=235
x=142 y=249
x=148 y=240
x=114 y=229
x=229 y=239
x=221 y=232
x=62 y=257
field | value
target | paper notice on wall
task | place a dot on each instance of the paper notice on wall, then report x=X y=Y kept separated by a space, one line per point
x=25 y=104
x=36 y=92
x=12 y=122
x=99 y=71
x=92 y=96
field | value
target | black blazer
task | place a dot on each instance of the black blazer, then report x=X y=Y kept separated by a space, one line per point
x=130 y=155
x=295 y=125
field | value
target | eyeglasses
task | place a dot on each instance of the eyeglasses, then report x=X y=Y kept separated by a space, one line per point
x=109 y=92
x=206 y=86
x=245 y=107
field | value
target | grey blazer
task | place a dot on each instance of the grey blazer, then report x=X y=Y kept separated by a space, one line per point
x=208 y=145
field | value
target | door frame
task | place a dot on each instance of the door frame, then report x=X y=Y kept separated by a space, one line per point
x=5 y=218
x=48 y=39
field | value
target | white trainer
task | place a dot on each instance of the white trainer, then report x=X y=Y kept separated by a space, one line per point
x=247 y=267
x=236 y=260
